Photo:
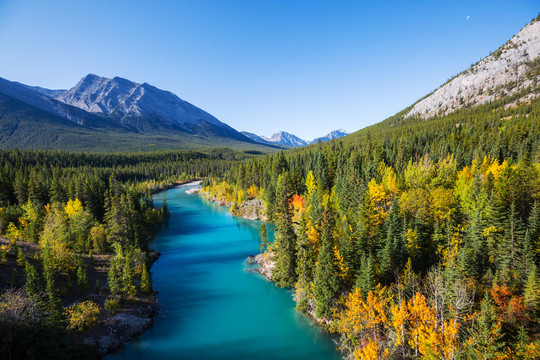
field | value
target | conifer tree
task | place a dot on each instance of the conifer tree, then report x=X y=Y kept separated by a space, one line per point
x=263 y=234
x=82 y=276
x=486 y=340
x=128 y=287
x=165 y=208
x=113 y=277
x=285 y=271
x=366 y=276
x=146 y=281
x=326 y=289
x=32 y=284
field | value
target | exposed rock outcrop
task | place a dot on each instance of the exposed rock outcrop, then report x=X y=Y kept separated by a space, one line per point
x=505 y=72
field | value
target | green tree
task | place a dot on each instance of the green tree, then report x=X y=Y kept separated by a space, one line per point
x=326 y=282
x=263 y=234
x=486 y=340
x=146 y=281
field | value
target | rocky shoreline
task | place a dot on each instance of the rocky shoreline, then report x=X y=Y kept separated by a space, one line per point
x=250 y=210
x=117 y=329
x=266 y=264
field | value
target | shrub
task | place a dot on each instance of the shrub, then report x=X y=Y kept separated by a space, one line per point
x=112 y=305
x=82 y=315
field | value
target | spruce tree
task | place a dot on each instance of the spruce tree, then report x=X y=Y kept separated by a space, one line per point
x=486 y=334
x=113 y=277
x=263 y=234
x=146 y=281
x=31 y=285
x=82 y=276
x=366 y=276
x=327 y=284
x=285 y=271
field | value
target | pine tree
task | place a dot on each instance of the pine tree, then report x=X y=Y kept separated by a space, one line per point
x=326 y=282
x=531 y=294
x=128 y=287
x=533 y=227
x=146 y=281
x=366 y=276
x=486 y=340
x=82 y=276
x=165 y=208
x=263 y=234
x=54 y=303
x=285 y=271
x=32 y=285
x=113 y=278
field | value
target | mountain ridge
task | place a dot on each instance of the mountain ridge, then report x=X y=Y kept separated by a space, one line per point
x=125 y=116
x=502 y=73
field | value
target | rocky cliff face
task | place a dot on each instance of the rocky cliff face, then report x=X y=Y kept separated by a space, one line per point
x=143 y=107
x=507 y=71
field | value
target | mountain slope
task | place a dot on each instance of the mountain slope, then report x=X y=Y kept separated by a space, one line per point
x=285 y=138
x=144 y=108
x=505 y=72
x=156 y=119
x=330 y=136
x=496 y=127
x=255 y=137
x=37 y=99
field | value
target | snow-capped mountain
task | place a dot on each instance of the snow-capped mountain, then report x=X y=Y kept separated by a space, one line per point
x=284 y=138
x=142 y=107
x=287 y=139
x=330 y=136
x=505 y=72
x=255 y=137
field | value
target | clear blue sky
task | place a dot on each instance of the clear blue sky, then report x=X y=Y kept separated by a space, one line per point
x=305 y=67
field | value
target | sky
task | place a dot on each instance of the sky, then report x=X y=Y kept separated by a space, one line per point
x=305 y=67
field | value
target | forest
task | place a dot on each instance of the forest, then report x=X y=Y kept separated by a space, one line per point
x=74 y=231
x=412 y=238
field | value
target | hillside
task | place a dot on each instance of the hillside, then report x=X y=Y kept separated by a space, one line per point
x=511 y=69
x=493 y=121
x=100 y=114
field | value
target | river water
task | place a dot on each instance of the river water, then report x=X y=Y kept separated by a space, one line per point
x=211 y=307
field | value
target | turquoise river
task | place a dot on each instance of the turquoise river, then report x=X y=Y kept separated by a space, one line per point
x=211 y=307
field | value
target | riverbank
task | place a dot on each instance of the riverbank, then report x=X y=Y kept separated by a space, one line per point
x=112 y=330
x=208 y=304
x=252 y=209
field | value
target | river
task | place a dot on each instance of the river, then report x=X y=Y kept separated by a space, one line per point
x=211 y=307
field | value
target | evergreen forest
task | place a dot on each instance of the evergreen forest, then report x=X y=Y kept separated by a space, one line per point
x=412 y=238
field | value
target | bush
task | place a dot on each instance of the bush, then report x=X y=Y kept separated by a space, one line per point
x=112 y=305
x=82 y=315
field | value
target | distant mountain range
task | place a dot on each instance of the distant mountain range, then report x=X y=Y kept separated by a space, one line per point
x=109 y=114
x=102 y=114
x=286 y=139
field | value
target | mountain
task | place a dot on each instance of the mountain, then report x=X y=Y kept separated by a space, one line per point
x=100 y=114
x=35 y=97
x=503 y=73
x=284 y=138
x=330 y=136
x=494 y=101
x=144 y=107
x=255 y=137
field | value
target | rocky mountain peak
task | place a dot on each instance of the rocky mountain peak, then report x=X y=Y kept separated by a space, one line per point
x=507 y=71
